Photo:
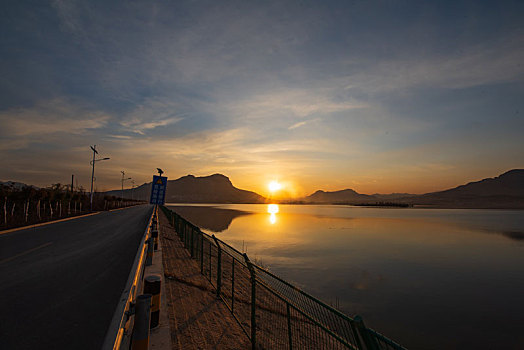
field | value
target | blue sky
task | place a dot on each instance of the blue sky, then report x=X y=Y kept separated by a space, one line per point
x=385 y=96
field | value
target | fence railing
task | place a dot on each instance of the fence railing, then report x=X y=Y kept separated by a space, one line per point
x=23 y=212
x=273 y=313
x=118 y=335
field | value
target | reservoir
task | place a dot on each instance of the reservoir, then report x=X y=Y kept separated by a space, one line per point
x=426 y=278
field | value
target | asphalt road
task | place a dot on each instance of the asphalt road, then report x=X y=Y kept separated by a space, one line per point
x=60 y=283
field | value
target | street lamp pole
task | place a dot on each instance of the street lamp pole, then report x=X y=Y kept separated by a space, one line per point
x=95 y=152
x=123 y=174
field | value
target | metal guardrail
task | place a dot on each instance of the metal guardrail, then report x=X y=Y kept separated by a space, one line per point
x=118 y=335
x=273 y=313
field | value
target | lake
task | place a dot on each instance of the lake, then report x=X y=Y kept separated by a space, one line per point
x=426 y=278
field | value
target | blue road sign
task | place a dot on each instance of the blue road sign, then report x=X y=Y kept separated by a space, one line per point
x=158 y=190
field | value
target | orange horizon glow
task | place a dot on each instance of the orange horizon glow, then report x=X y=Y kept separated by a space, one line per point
x=274 y=186
x=296 y=186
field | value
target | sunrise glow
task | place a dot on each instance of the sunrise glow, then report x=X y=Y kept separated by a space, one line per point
x=274 y=186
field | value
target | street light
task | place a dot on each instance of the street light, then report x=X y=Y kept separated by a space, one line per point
x=123 y=174
x=95 y=152
x=132 y=189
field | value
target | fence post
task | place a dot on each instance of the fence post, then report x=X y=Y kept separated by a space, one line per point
x=219 y=266
x=289 y=333
x=253 y=302
x=201 y=252
x=233 y=285
x=369 y=340
x=192 y=243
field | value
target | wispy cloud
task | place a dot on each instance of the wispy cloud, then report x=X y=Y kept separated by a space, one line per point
x=472 y=66
x=140 y=126
x=292 y=103
x=302 y=123
x=151 y=114
x=50 y=117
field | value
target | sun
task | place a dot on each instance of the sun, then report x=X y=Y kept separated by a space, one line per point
x=274 y=186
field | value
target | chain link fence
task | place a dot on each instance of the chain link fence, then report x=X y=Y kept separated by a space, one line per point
x=273 y=313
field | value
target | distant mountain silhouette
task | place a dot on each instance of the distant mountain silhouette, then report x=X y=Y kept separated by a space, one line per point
x=347 y=195
x=504 y=191
x=16 y=185
x=215 y=188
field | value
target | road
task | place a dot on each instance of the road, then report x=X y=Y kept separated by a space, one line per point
x=60 y=283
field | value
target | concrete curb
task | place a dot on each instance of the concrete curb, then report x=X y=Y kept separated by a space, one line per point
x=160 y=336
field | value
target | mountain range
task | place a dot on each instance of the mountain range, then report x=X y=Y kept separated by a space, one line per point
x=503 y=191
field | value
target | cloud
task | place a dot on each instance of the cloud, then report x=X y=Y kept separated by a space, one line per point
x=140 y=126
x=150 y=114
x=472 y=66
x=291 y=103
x=72 y=15
x=302 y=123
x=50 y=117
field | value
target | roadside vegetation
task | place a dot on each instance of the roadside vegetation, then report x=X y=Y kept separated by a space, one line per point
x=28 y=205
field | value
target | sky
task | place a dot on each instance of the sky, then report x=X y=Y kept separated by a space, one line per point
x=377 y=96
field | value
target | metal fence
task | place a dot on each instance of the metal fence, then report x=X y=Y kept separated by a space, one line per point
x=273 y=313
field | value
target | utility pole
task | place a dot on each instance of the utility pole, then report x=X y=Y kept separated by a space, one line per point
x=72 y=182
x=132 y=189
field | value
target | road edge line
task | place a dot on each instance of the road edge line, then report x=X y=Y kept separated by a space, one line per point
x=46 y=223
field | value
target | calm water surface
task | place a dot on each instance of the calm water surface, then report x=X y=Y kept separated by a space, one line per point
x=427 y=278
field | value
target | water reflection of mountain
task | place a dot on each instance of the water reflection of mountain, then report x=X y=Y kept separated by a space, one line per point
x=515 y=235
x=210 y=218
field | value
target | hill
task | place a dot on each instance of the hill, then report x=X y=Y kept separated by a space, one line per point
x=503 y=191
x=16 y=185
x=215 y=188
x=346 y=196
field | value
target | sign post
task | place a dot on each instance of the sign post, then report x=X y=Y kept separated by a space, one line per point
x=158 y=190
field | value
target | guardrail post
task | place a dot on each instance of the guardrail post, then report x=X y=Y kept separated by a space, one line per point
x=219 y=266
x=149 y=258
x=152 y=284
x=154 y=236
x=369 y=340
x=253 y=302
x=141 y=327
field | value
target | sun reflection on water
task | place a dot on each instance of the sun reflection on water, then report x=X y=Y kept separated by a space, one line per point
x=272 y=209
